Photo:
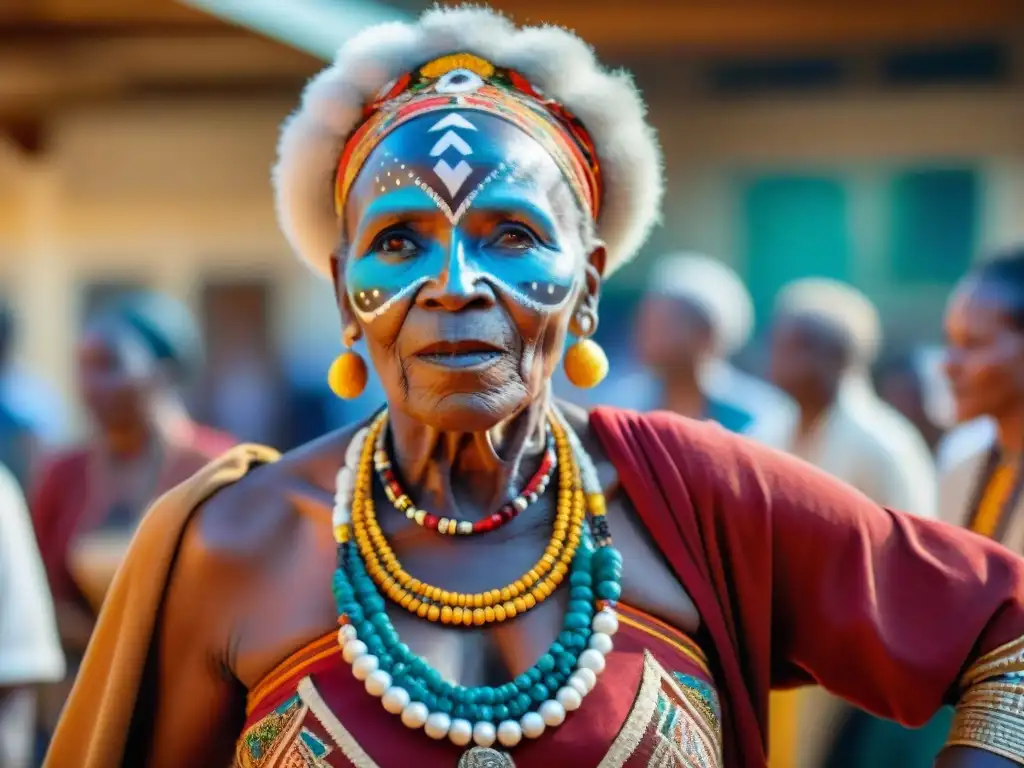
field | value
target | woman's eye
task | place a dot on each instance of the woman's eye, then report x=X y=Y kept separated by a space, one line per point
x=514 y=239
x=396 y=245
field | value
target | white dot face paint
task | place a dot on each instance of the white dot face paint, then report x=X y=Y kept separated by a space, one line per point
x=466 y=166
x=464 y=275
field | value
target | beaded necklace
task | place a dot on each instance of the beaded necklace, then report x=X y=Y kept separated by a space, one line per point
x=400 y=500
x=434 y=603
x=484 y=715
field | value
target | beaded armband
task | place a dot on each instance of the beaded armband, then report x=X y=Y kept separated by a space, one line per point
x=990 y=713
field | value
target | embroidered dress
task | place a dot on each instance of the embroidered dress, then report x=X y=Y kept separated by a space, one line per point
x=655 y=705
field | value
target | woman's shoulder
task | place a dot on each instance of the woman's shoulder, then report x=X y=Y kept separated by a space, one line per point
x=703 y=455
x=251 y=497
x=701 y=458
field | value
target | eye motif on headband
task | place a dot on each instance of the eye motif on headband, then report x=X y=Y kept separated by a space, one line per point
x=467 y=83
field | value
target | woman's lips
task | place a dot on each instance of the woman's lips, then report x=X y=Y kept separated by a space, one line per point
x=462 y=354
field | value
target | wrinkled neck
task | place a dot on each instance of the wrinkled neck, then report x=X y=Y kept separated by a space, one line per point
x=467 y=474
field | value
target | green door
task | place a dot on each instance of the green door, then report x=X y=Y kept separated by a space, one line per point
x=794 y=226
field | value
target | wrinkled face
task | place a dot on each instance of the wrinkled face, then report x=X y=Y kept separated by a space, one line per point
x=985 y=354
x=806 y=357
x=116 y=374
x=672 y=333
x=464 y=263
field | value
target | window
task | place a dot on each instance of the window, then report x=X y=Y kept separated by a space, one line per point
x=97 y=294
x=753 y=76
x=971 y=63
x=934 y=224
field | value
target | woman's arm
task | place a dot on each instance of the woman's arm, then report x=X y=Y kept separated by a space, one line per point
x=883 y=608
x=196 y=705
x=153 y=689
x=801 y=579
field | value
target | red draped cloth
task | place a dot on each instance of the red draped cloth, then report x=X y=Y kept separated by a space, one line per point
x=799 y=578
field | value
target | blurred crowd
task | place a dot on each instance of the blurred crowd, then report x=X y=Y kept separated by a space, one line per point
x=938 y=432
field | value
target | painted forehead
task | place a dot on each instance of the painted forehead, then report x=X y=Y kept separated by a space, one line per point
x=455 y=162
x=452 y=157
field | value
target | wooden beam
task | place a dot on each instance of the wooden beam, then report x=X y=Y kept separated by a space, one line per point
x=742 y=25
x=84 y=12
x=37 y=75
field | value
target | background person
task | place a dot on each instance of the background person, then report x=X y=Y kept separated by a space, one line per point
x=133 y=357
x=30 y=651
x=695 y=314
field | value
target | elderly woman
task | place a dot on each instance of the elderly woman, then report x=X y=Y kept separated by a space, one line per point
x=467 y=186
x=825 y=336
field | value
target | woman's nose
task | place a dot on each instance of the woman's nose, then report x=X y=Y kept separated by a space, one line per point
x=459 y=285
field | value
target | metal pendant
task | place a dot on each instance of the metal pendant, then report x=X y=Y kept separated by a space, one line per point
x=485 y=757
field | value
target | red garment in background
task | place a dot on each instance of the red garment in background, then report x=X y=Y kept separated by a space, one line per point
x=798 y=577
x=59 y=495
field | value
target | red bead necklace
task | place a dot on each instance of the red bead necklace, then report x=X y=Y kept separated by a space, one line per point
x=532 y=491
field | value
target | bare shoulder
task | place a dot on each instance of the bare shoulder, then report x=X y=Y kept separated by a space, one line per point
x=248 y=520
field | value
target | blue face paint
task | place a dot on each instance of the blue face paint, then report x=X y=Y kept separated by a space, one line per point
x=463 y=196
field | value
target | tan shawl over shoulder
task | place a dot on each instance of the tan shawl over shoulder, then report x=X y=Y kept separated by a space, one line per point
x=93 y=729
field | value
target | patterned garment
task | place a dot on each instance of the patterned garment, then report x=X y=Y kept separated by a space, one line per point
x=281 y=739
x=654 y=707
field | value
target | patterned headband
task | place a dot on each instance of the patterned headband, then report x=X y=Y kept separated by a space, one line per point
x=465 y=81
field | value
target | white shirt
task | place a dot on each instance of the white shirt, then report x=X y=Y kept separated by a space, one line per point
x=965 y=441
x=30 y=651
x=869 y=445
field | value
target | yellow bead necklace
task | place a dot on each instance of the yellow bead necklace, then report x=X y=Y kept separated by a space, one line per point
x=482 y=608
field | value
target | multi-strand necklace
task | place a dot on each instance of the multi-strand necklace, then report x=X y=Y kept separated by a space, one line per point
x=369 y=573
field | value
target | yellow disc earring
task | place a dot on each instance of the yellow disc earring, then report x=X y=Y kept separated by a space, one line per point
x=585 y=362
x=347 y=375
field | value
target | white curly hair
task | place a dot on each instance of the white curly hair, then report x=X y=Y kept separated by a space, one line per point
x=553 y=59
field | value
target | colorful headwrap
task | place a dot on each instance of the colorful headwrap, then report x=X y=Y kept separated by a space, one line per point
x=468 y=82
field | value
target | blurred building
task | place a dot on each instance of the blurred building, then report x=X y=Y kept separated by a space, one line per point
x=876 y=142
x=139 y=137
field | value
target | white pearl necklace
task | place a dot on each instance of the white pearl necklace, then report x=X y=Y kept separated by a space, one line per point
x=439 y=725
